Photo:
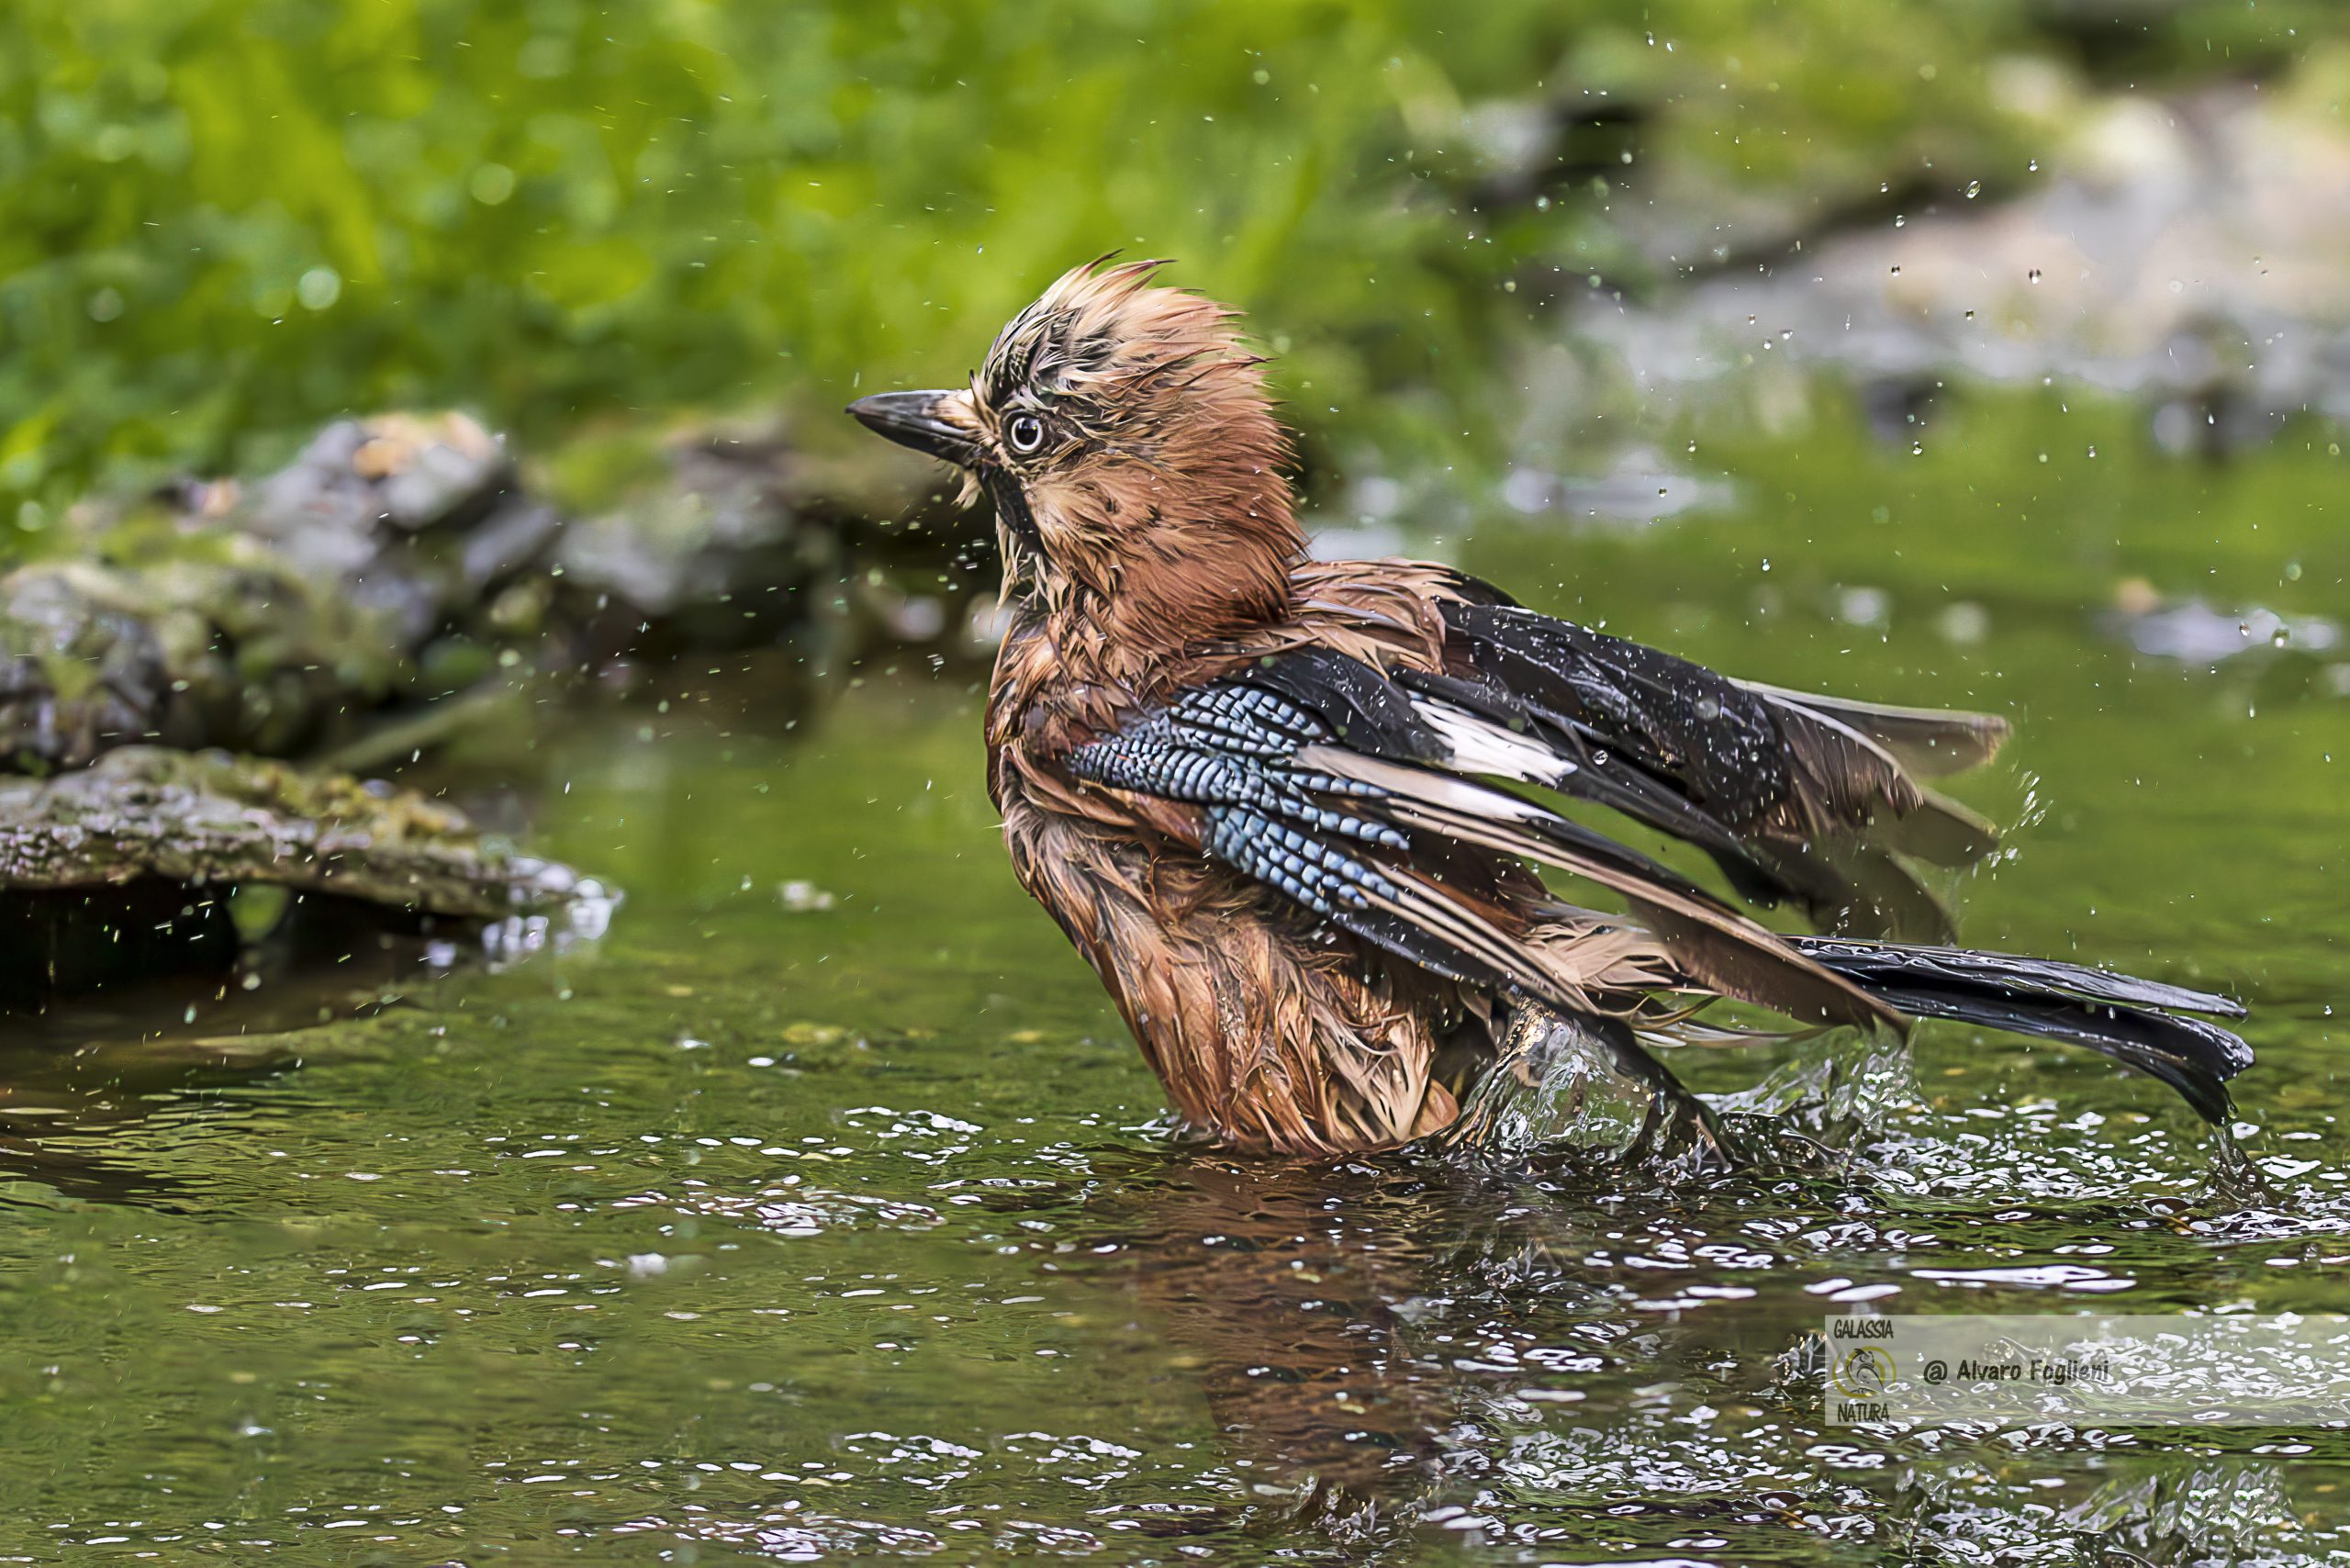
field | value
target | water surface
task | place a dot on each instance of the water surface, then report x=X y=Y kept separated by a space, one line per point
x=824 y=1207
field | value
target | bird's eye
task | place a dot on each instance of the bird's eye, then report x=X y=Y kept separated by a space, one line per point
x=1025 y=434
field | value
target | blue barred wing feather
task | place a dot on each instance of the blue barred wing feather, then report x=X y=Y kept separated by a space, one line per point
x=1359 y=795
x=1320 y=777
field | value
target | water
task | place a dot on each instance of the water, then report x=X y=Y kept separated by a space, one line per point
x=824 y=1207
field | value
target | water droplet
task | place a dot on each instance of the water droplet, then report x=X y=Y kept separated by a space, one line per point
x=1900 y=221
x=1916 y=449
x=2032 y=166
x=2033 y=275
x=1708 y=707
x=2092 y=452
x=1974 y=189
x=1970 y=315
x=2178 y=286
x=1897 y=272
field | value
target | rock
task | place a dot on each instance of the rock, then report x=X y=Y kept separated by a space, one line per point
x=271 y=621
x=209 y=818
x=400 y=559
x=416 y=516
x=228 y=647
x=1639 y=486
x=130 y=865
x=742 y=536
x=2185 y=252
x=2195 y=633
x=727 y=547
x=81 y=668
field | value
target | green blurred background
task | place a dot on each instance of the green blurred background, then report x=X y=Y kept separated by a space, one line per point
x=222 y=222
x=773 y=1224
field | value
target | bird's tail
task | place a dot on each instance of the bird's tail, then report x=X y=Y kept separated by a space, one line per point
x=2135 y=1021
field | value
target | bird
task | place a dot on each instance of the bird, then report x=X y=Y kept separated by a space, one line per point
x=1297 y=813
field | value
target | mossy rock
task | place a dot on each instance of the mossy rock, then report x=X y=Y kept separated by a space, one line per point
x=153 y=860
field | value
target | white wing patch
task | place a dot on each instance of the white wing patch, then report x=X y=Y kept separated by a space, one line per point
x=1481 y=746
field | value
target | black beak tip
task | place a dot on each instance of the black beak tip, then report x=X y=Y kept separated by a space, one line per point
x=914 y=419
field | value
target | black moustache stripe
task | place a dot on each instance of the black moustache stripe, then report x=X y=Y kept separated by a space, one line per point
x=1012 y=507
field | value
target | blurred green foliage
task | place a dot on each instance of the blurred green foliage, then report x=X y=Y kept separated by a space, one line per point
x=224 y=220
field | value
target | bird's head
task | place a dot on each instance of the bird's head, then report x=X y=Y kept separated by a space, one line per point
x=1123 y=433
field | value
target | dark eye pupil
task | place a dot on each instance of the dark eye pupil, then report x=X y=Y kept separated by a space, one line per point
x=1027 y=432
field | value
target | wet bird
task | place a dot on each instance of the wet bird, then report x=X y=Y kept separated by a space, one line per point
x=1287 y=808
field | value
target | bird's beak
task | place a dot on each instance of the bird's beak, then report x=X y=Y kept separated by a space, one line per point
x=937 y=423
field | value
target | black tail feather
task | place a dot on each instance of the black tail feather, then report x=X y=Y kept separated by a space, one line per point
x=2118 y=1015
x=1905 y=964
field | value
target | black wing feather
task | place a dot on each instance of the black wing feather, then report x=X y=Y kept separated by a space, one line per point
x=1357 y=702
x=1344 y=790
x=1678 y=719
x=1617 y=782
x=1813 y=792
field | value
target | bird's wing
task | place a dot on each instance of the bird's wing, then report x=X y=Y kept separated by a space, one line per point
x=1325 y=779
x=1362 y=796
x=1812 y=798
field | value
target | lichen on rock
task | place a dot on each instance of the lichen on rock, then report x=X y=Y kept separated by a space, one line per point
x=132 y=862
x=206 y=817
